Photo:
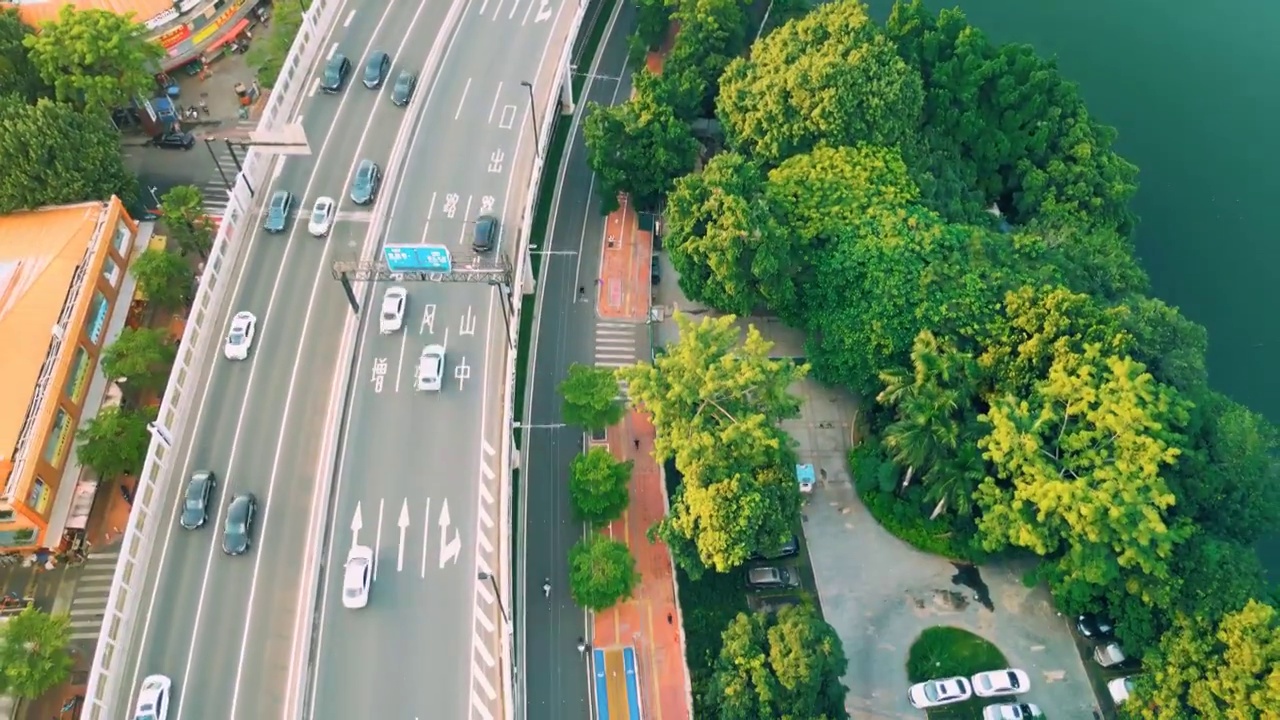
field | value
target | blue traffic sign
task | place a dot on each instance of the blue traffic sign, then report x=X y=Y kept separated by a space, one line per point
x=417 y=258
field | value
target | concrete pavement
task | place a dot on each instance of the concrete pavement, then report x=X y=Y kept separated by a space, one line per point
x=421 y=467
x=566 y=331
x=225 y=628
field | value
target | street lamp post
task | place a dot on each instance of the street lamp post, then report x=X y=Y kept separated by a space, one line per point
x=533 y=117
x=208 y=143
x=497 y=594
x=239 y=168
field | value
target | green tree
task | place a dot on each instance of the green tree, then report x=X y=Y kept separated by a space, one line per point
x=53 y=154
x=1228 y=670
x=639 y=147
x=34 y=653
x=191 y=228
x=598 y=486
x=269 y=55
x=18 y=75
x=164 y=278
x=114 y=443
x=141 y=355
x=95 y=59
x=589 y=397
x=1078 y=470
x=601 y=573
x=830 y=77
x=712 y=32
x=1172 y=346
x=653 y=20
x=788 y=666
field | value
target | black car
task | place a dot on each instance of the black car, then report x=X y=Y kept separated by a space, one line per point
x=195 y=506
x=403 y=89
x=278 y=212
x=364 y=188
x=486 y=233
x=174 y=141
x=1094 y=626
x=789 y=548
x=375 y=70
x=335 y=73
x=237 y=534
x=655 y=270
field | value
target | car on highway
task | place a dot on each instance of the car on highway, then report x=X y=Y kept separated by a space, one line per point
x=485 y=234
x=375 y=70
x=933 y=693
x=402 y=91
x=1011 y=711
x=994 y=683
x=335 y=73
x=153 y=698
x=237 y=533
x=174 y=141
x=322 y=214
x=364 y=187
x=244 y=326
x=391 y=319
x=767 y=576
x=195 y=506
x=357 y=574
x=430 y=373
x=278 y=212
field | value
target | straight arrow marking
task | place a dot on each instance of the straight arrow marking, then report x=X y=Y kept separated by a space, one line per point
x=403 y=523
x=426 y=533
x=377 y=540
x=356 y=523
x=449 y=549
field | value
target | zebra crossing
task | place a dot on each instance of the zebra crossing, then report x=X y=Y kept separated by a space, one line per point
x=616 y=346
x=89 y=602
x=214 y=189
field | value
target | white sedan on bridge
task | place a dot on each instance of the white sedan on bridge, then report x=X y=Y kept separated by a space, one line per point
x=357 y=575
x=153 y=698
x=240 y=338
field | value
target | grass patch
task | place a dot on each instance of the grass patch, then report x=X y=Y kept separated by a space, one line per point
x=943 y=651
x=271 y=48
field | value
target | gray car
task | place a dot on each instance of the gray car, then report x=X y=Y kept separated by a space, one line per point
x=278 y=212
x=237 y=534
x=771 y=577
x=375 y=70
x=403 y=90
x=364 y=188
x=195 y=506
x=486 y=233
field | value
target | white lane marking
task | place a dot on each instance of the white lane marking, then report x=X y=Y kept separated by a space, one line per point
x=497 y=10
x=515 y=7
x=488 y=449
x=363 y=336
x=293 y=380
x=426 y=535
x=315 y=85
x=466 y=222
x=462 y=101
x=525 y=19
x=430 y=209
x=404 y=339
x=494 y=107
x=403 y=525
x=347 y=22
x=484 y=5
x=334 y=48
x=377 y=539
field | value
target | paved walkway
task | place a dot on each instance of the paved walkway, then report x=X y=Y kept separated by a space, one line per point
x=623 y=290
x=650 y=621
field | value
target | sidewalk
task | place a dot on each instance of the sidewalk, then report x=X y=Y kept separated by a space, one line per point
x=624 y=287
x=650 y=620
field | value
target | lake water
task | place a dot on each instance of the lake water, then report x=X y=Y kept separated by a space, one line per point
x=1194 y=89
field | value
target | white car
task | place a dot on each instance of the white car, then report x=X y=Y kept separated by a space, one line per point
x=430 y=368
x=357 y=574
x=153 y=698
x=1120 y=688
x=939 y=692
x=994 y=683
x=1011 y=711
x=322 y=216
x=391 y=319
x=244 y=325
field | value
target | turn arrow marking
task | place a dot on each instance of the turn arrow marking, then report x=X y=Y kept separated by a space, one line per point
x=449 y=549
x=403 y=523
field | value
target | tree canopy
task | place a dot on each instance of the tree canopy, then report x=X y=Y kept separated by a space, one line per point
x=165 y=279
x=54 y=154
x=18 y=75
x=638 y=148
x=598 y=485
x=590 y=397
x=114 y=442
x=602 y=572
x=141 y=355
x=189 y=225
x=34 y=655
x=95 y=59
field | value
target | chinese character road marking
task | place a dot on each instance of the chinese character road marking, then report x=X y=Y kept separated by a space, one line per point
x=379 y=373
x=495 y=162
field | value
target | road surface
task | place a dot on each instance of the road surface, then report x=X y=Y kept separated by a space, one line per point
x=555 y=675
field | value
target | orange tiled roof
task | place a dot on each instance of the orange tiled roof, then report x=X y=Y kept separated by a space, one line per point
x=39 y=252
x=35 y=12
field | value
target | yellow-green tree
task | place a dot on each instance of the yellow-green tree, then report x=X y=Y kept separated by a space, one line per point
x=95 y=59
x=1078 y=471
x=598 y=485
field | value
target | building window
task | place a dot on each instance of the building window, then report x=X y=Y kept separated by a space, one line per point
x=40 y=497
x=97 y=318
x=78 y=378
x=110 y=271
x=55 y=445
x=123 y=239
x=6 y=515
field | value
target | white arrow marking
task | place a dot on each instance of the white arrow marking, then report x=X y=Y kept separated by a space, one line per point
x=449 y=549
x=426 y=533
x=377 y=540
x=356 y=523
x=404 y=525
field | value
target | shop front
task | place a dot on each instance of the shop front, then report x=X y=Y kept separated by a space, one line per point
x=201 y=35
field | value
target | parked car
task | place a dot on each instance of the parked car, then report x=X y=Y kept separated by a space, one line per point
x=335 y=73
x=402 y=91
x=375 y=70
x=322 y=214
x=364 y=186
x=1094 y=626
x=174 y=141
x=789 y=548
x=485 y=234
x=768 y=576
x=195 y=506
x=1109 y=655
x=1120 y=689
x=391 y=319
x=655 y=270
x=1011 y=711
x=994 y=683
x=933 y=693
x=278 y=212
x=357 y=575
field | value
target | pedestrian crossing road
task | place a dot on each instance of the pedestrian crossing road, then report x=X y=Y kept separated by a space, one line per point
x=89 y=602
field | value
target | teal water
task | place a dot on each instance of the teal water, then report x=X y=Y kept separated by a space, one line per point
x=1194 y=89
